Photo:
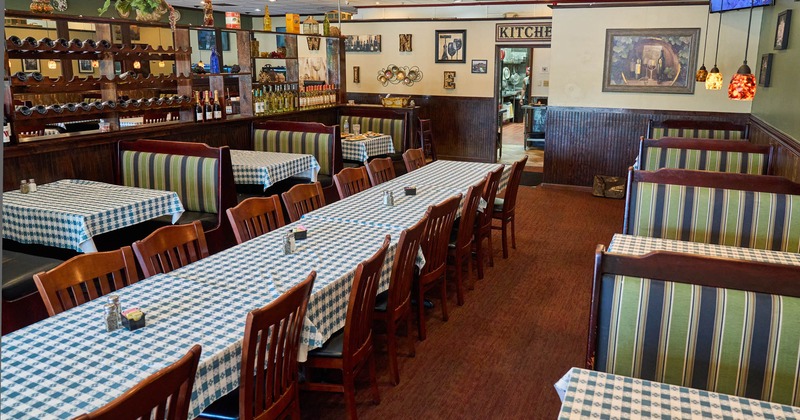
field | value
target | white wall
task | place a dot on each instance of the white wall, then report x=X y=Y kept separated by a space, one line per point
x=460 y=12
x=579 y=41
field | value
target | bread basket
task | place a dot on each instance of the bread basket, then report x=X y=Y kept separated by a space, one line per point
x=395 y=102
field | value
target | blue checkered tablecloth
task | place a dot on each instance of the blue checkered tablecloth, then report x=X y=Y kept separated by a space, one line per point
x=361 y=150
x=591 y=394
x=267 y=168
x=454 y=174
x=68 y=213
x=640 y=245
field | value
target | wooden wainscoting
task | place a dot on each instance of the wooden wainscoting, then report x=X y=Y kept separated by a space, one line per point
x=583 y=142
x=787 y=150
x=464 y=128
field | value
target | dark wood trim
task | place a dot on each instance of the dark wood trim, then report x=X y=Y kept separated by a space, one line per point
x=740 y=146
x=729 y=181
x=521 y=19
x=780 y=137
x=698 y=125
x=86 y=19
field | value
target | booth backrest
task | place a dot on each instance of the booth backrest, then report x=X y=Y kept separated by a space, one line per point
x=705 y=155
x=722 y=328
x=380 y=120
x=697 y=129
x=301 y=137
x=762 y=217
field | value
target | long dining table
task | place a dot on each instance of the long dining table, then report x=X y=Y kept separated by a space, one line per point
x=67 y=364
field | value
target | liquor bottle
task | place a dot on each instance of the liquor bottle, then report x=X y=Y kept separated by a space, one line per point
x=302 y=97
x=198 y=108
x=208 y=107
x=326 y=26
x=287 y=99
x=296 y=97
x=257 y=104
x=228 y=103
x=217 y=106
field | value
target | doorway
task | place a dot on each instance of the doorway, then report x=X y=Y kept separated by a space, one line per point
x=522 y=86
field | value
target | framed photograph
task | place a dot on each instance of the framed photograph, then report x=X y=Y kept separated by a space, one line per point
x=765 y=70
x=451 y=46
x=650 y=60
x=205 y=40
x=480 y=66
x=85 y=66
x=362 y=43
x=449 y=80
x=405 y=42
x=30 y=64
x=782 y=30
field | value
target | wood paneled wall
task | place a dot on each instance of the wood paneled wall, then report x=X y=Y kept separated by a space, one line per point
x=464 y=128
x=583 y=142
x=787 y=150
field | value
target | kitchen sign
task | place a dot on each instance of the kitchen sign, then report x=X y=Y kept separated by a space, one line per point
x=523 y=32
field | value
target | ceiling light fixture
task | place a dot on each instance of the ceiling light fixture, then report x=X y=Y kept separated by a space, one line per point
x=743 y=83
x=714 y=78
x=702 y=73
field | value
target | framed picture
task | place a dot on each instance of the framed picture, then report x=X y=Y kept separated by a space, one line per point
x=356 y=74
x=765 y=70
x=449 y=80
x=405 y=42
x=782 y=30
x=451 y=46
x=480 y=66
x=650 y=60
x=362 y=43
x=85 y=66
x=205 y=40
x=116 y=33
x=30 y=64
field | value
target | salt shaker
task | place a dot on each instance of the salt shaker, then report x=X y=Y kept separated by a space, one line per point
x=23 y=187
x=388 y=198
x=111 y=317
x=32 y=185
x=114 y=300
x=288 y=244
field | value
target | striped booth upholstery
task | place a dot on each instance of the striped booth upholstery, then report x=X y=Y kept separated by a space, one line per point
x=321 y=145
x=195 y=179
x=719 y=130
x=704 y=155
x=391 y=126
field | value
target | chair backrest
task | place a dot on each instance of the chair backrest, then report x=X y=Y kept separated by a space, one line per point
x=361 y=307
x=510 y=197
x=268 y=381
x=705 y=155
x=437 y=234
x=302 y=199
x=311 y=138
x=426 y=138
x=405 y=263
x=171 y=247
x=469 y=211
x=255 y=216
x=85 y=277
x=414 y=159
x=489 y=194
x=380 y=170
x=167 y=392
x=350 y=181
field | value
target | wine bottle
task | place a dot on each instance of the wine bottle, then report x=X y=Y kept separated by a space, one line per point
x=208 y=107
x=77 y=43
x=71 y=107
x=198 y=108
x=36 y=76
x=21 y=75
x=85 y=106
x=90 y=43
x=110 y=104
x=31 y=42
x=217 y=106
x=103 y=45
x=228 y=103
x=62 y=44
x=56 y=108
x=16 y=41
x=47 y=43
x=41 y=109
x=24 y=110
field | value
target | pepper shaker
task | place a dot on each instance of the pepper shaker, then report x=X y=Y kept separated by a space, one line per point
x=114 y=300
x=111 y=319
x=288 y=244
x=23 y=187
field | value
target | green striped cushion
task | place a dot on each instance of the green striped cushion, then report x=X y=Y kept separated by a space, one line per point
x=716 y=216
x=721 y=340
x=390 y=126
x=317 y=144
x=193 y=178
x=659 y=132
x=705 y=160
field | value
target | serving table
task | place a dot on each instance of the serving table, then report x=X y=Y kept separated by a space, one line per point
x=591 y=394
x=70 y=212
x=369 y=146
x=267 y=168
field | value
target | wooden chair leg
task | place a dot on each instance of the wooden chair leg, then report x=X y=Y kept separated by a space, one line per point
x=411 y=348
x=373 y=379
x=295 y=414
x=391 y=344
x=513 y=235
x=348 y=381
x=443 y=287
x=505 y=238
x=421 y=313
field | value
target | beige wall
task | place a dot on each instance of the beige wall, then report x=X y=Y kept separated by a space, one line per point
x=579 y=40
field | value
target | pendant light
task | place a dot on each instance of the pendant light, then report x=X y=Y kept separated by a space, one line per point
x=702 y=73
x=743 y=83
x=161 y=62
x=714 y=78
x=137 y=64
x=95 y=64
x=51 y=64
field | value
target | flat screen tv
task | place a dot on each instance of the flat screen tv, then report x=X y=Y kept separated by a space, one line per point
x=725 y=5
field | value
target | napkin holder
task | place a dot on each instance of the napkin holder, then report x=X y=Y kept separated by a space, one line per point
x=410 y=190
x=300 y=234
x=132 y=325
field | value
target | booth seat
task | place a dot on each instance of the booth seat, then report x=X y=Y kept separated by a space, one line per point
x=705 y=155
x=697 y=129
x=382 y=120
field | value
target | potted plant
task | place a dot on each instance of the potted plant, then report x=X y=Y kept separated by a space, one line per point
x=146 y=10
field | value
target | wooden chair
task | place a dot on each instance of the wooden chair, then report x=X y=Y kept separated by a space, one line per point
x=255 y=216
x=435 y=242
x=350 y=181
x=268 y=387
x=426 y=138
x=85 y=277
x=504 y=207
x=168 y=391
x=460 y=247
x=350 y=349
x=170 y=248
x=302 y=199
x=380 y=171
x=394 y=306
x=483 y=225
x=414 y=159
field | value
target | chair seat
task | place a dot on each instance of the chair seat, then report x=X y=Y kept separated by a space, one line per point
x=498 y=204
x=382 y=301
x=18 y=271
x=332 y=348
x=225 y=408
x=208 y=220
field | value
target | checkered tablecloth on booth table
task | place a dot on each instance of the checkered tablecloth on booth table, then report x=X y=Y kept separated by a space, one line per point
x=592 y=394
x=267 y=168
x=68 y=364
x=361 y=150
x=68 y=213
x=640 y=245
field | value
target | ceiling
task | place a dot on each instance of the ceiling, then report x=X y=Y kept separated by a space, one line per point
x=303 y=7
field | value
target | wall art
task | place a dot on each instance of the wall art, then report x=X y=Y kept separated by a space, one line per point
x=449 y=80
x=480 y=66
x=405 y=42
x=362 y=43
x=765 y=70
x=782 y=30
x=451 y=46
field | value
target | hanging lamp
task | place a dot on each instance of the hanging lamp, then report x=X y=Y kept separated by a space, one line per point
x=702 y=73
x=743 y=83
x=714 y=77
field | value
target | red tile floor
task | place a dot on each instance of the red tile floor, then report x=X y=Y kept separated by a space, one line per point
x=513 y=150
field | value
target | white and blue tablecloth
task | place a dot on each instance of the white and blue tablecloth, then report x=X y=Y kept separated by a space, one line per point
x=69 y=213
x=361 y=150
x=640 y=245
x=588 y=394
x=267 y=168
